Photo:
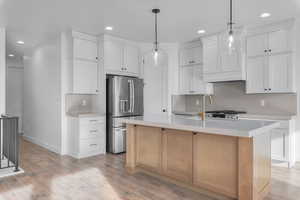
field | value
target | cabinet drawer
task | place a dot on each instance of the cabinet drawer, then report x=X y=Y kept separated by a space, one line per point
x=92 y=120
x=91 y=145
x=92 y=130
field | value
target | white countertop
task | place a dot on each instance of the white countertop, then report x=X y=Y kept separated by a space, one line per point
x=246 y=116
x=85 y=115
x=238 y=128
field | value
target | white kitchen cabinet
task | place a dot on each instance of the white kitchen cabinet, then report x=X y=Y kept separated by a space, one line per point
x=280 y=73
x=269 y=62
x=85 y=49
x=283 y=142
x=278 y=144
x=81 y=59
x=85 y=77
x=120 y=56
x=256 y=75
x=131 y=58
x=190 y=55
x=220 y=65
x=270 y=74
x=86 y=136
x=191 y=81
x=257 y=45
x=210 y=54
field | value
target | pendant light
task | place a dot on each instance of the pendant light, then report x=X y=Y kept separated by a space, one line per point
x=231 y=38
x=157 y=57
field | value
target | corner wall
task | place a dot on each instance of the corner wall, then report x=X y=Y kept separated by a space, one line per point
x=42 y=95
x=2 y=71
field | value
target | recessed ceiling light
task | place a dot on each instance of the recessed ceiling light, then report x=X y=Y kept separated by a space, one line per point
x=265 y=15
x=11 y=55
x=109 y=28
x=20 y=42
x=201 y=31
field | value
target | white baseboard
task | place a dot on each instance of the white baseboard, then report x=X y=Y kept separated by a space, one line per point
x=42 y=144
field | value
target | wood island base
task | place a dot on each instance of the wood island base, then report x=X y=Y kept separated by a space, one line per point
x=224 y=167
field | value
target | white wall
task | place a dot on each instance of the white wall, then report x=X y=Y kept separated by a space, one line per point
x=2 y=71
x=42 y=95
x=14 y=89
x=297 y=76
x=171 y=78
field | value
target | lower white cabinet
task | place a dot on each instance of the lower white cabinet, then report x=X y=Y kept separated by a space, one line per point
x=86 y=136
x=191 y=81
x=283 y=143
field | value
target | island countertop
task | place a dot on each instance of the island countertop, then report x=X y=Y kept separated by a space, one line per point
x=237 y=128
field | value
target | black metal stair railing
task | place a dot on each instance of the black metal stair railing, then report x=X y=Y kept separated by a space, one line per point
x=9 y=142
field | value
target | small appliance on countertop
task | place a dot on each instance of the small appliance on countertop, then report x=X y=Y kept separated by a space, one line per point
x=225 y=114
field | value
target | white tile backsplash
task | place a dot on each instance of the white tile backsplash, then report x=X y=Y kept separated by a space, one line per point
x=231 y=95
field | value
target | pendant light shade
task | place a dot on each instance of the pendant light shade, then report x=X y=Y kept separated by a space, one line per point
x=232 y=37
x=156 y=57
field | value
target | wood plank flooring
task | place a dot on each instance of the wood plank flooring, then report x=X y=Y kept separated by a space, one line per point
x=49 y=176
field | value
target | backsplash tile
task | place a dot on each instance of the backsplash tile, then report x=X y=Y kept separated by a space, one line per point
x=231 y=95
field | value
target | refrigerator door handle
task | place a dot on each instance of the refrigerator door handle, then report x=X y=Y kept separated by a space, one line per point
x=131 y=96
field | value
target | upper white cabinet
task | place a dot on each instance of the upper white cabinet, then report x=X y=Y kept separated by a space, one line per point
x=191 y=55
x=85 y=49
x=191 y=70
x=80 y=55
x=210 y=55
x=191 y=81
x=218 y=63
x=269 y=60
x=120 y=56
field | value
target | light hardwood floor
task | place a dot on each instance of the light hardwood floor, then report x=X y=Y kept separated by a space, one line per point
x=50 y=176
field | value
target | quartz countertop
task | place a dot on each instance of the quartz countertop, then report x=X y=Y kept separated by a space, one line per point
x=84 y=114
x=237 y=128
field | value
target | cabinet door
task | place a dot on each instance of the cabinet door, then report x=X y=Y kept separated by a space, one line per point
x=278 y=41
x=256 y=75
x=278 y=144
x=177 y=157
x=113 y=55
x=184 y=57
x=198 y=85
x=257 y=45
x=280 y=73
x=215 y=163
x=85 y=77
x=197 y=54
x=131 y=59
x=186 y=79
x=148 y=147
x=85 y=49
x=210 y=55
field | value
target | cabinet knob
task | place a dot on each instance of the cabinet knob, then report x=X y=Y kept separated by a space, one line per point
x=96 y=58
x=265 y=50
x=266 y=89
x=270 y=89
x=270 y=50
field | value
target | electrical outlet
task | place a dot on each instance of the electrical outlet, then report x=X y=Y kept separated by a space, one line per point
x=262 y=103
x=83 y=103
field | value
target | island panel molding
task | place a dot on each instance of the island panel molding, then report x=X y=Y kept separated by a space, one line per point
x=217 y=165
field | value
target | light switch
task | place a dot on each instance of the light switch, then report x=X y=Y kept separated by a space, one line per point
x=262 y=103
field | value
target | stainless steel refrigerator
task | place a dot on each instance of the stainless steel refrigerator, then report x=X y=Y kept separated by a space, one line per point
x=124 y=99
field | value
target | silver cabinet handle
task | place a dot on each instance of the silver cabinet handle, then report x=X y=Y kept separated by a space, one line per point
x=93 y=145
x=93 y=131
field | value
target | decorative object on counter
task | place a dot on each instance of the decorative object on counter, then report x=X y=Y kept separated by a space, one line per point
x=157 y=54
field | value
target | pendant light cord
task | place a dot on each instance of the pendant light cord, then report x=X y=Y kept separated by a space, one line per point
x=230 y=22
x=156 y=43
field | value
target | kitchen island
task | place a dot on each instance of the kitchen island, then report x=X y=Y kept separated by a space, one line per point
x=222 y=158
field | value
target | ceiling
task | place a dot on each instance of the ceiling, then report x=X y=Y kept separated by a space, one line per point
x=36 y=20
